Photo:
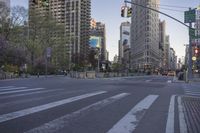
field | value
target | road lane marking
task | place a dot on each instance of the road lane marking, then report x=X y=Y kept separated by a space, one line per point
x=170 y=118
x=182 y=123
x=57 y=124
x=130 y=121
x=36 y=109
x=10 y=92
x=4 y=87
x=13 y=88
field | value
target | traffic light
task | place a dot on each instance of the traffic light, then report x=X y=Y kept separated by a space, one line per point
x=129 y=14
x=126 y=12
x=122 y=11
x=196 y=51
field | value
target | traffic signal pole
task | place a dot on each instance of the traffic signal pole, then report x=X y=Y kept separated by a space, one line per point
x=190 y=75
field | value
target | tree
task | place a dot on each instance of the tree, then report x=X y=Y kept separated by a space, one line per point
x=46 y=32
x=31 y=37
x=116 y=67
x=10 y=54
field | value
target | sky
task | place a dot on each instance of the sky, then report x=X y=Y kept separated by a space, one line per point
x=109 y=11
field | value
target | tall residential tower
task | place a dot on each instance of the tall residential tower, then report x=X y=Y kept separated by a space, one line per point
x=75 y=16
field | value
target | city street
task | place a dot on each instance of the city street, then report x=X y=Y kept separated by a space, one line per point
x=146 y=104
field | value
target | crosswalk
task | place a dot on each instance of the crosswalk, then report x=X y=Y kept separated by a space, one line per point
x=192 y=91
x=127 y=124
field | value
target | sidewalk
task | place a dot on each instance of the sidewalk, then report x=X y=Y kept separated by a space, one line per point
x=192 y=113
x=196 y=80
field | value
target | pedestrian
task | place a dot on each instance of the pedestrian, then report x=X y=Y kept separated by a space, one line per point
x=38 y=74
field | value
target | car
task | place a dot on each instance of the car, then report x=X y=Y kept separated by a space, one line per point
x=171 y=73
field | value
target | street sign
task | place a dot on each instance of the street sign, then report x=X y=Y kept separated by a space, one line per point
x=195 y=37
x=48 y=52
x=190 y=16
x=191 y=32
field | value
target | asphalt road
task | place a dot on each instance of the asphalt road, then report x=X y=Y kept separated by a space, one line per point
x=147 y=104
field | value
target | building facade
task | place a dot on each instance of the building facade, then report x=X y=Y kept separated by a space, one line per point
x=75 y=16
x=173 y=60
x=115 y=59
x=166 y=59
x=162 y=34
x=98 y=29
x=145 y=36
x=124 y=41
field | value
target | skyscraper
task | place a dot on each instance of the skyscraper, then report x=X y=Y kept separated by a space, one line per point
x=162 y=34
x=124 y=45
x=145 y=36
x=124 y=41
x=77 y=22
x=75 y=16
x=166 y=53
x=99 y=29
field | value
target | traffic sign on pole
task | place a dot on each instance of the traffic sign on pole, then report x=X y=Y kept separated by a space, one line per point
x=48 y=52
x=190 y=16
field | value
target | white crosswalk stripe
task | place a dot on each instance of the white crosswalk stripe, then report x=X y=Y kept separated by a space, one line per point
x=16 y=91
x=13 y=88
x=192 y=92
x=27 y=93
x=21 y=113
x=4 y=87
x=57 y=124
x=129 y=122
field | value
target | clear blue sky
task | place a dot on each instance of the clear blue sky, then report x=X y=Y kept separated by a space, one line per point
x=108 y=12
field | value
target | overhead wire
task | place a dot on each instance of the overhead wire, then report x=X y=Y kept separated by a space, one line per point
x=172 y=6
x=181 y=11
